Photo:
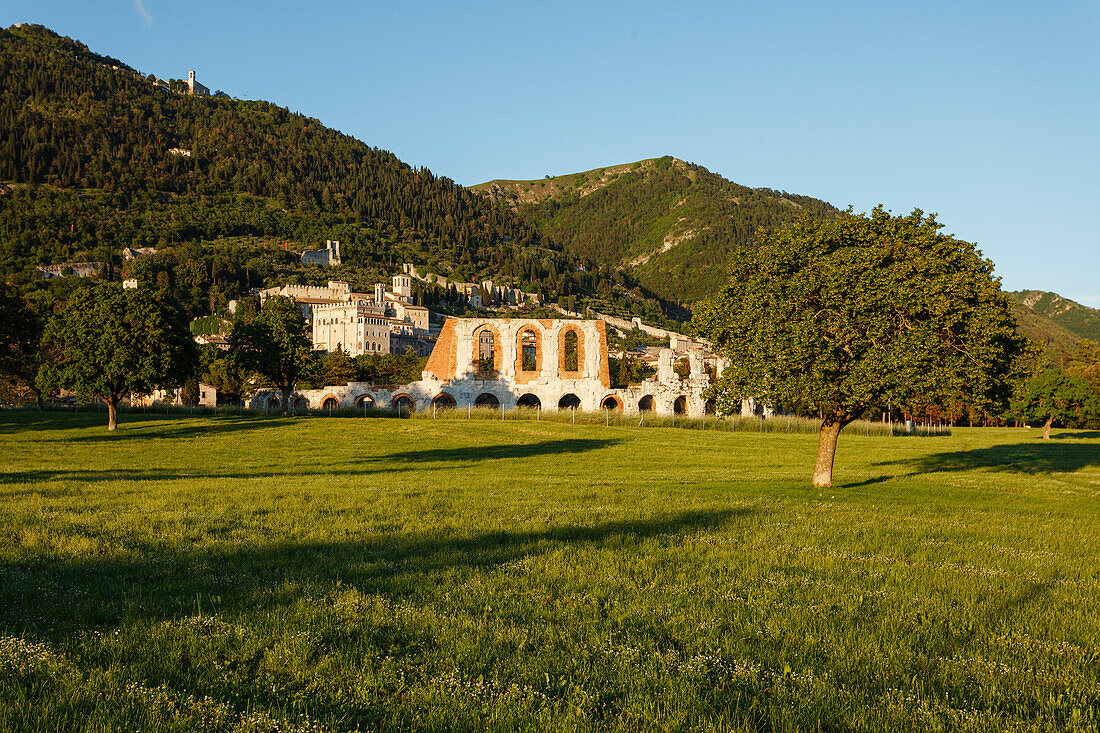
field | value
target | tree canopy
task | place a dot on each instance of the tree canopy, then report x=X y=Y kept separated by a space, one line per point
x=109 y=342
x=839 y=317
x=1054 y=396
x=275 y=344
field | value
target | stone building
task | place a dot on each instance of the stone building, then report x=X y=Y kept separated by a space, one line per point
x=329 y=256
x=357 y=327
x=538 y=363
x=193 y=86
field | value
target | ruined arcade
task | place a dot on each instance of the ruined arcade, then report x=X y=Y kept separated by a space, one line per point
x=546 y=364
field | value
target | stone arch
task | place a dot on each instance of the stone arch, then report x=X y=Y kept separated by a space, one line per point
x=364 y=400
x=646 y=404
x=444 y=401
x=529 y=400
x=569 y=401
x=403 y=403
x=487 y=350
x=486 y=399
x=569 y=354
x=528 y=353
x=330 y=403
x=611 y=402
x=680 y=405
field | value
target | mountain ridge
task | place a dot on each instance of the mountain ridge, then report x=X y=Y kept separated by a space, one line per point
x=670 y=223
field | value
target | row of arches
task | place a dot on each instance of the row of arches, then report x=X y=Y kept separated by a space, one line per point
x=445 y=401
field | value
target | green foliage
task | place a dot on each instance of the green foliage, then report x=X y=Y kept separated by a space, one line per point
x=88 y=149
x=110 y=342
x=861 y=312
x=20 y=338
x=338 y=369
x=384 y=369
x=644 y=206
x=1054 y=397
x=274 y=343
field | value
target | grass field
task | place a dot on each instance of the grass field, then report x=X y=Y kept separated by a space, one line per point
x=232 y=573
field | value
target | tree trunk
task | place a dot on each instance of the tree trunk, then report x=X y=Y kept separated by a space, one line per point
x=826 y=450
x=286 y=401
x=112 y=412
x=1046 y=428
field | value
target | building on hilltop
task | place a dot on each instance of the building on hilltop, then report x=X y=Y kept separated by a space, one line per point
x=357 y=327
x=193 y=87
x=359 y=323
x=329 y=256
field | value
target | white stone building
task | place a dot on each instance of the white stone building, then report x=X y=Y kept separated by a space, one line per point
x=357 y=327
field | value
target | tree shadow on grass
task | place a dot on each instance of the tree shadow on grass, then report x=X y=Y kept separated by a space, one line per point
x=365 y=466
x=1031 y=458
x=1027 y=458
x=55 y=599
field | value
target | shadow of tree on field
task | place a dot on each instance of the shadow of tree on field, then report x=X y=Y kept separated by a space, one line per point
x=364 y=466
x=1076 y=435
x=1028 y=458
x=1031 y=458
x=55 y=599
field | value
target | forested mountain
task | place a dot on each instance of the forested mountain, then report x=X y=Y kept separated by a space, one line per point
x=94 y=157
x=1059 y=342
x=669 y=223
x=1079 y=319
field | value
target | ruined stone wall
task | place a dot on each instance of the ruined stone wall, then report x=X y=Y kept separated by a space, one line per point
x=452 y=373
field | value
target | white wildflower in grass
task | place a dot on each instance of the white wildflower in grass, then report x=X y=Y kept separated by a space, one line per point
x=21 y=657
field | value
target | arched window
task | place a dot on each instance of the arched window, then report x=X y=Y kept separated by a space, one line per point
x=529 y=351
x=404 y=404
x=329 y=404
x=486 y=350
x=646 y=404
x=611 y=403
x=569 y=360
x=364 y=400
x=444 y=401
x=680 y=406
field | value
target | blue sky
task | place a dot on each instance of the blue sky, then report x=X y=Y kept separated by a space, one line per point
x=987 y=113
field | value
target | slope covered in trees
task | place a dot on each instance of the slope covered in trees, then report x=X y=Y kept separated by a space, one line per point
x=671 y=224
x=94 y=156
x=1077 y=318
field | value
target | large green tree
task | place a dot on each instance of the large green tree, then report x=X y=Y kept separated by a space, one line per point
x=1055 y=396
x=274 y=343
x=847 y=315
x=20 y=342
x=110 y=343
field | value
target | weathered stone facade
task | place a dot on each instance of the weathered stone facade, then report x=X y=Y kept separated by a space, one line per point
x=547 y=363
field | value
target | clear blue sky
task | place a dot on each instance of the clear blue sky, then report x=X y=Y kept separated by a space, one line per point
x=987 y=113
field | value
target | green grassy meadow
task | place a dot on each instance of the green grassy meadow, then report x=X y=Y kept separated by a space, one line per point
x=252 y=574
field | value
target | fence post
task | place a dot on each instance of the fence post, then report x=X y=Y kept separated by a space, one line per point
x=574 y=415
x=606 y=417
x=502 y=412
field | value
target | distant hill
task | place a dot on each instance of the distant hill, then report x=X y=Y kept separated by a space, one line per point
x=669 y=223
x=1059 y=341
x=1079 y=319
